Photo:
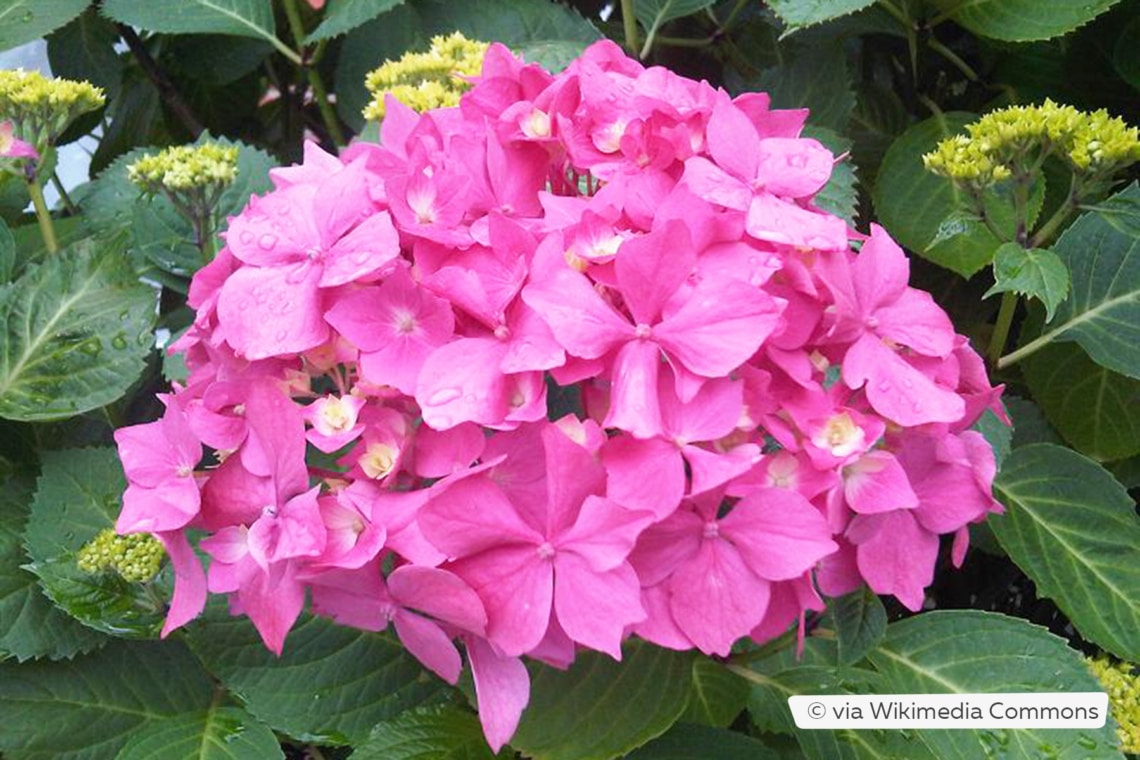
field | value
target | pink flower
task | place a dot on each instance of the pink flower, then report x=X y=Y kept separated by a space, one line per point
x=13 y=147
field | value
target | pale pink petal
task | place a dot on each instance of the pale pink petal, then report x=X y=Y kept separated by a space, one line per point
x=792 y=167
x=875 y=483
x=779 y=221
x=711 y=183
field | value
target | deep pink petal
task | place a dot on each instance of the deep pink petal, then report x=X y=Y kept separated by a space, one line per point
x=634 y=405
x=581 y=321
x=517 y=589
x=651 y=267
x=272 y=311
x=461 y=382
x=644 y=474
x=502 y=689
x=876 y=482
x=367 y=249
x=715 y=599
x=189 y=581
x=429 y=644
x=440 y=594
x=595 y=608
x=915 y=320
x=895 y=388
x=897 y=557
x=713 y=184
x=604 y=534
x=779 y=221
x=472 y=515
x=778 y=533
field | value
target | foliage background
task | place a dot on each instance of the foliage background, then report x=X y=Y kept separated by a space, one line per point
x=1056 y=578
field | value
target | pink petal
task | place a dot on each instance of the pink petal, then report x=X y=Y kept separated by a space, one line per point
x=633 y=402
x=897 y=557
x=732 y=141
x=471 y=516
x=644 y=474
x=604 y=534
x=713 y=184
x=895 y=389
x=715 y=599
x=779 y=221
x=915 y=320
x=793 y=167
x=778 y=533
x=876 y=483
x=517 y=589
x=440 y=594
x=502 y=689
x=651 y=267
x=584 y=324
x=429 y=644
x=440 y=453
x=272 y=311
x=189 y=581
x=594 y=608
x=461 y=382
x=368 y=248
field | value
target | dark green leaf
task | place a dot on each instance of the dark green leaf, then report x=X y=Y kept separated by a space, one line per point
x=7 y=253
x=971 y=652
x=1074 y=530
x=600 y=708
x=859 y=620
x=90 y=707
x=1126 y=55
x=1035 y=273
x=816 y=78
x=1096 y=410
x=30 y=625
x=687 y=741
x=1023 y=20
x=243 y=18
x=27 y=20
x=214 y=59
x=219 y=733
x=345 y=15
x=77 y=496
x=719 y=695
x=1029 y=423
x=75 y=332
x=331 y=685
x=1102 y=252
x=879 y=117
x=364 y=49
x=136 y=119
x=653 y=13
x=85 y=49
x=997 y=433
x=799 y=13
x=441 y=732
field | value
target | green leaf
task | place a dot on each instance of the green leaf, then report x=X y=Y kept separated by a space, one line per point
x=1102 y=252
x=365 y=48
x=345 y=15
x=997 y=433
x=1126 y=53
x=27 y=20
x=1023 y=20
x=77 y=495
x=243 y=18
x=1029 y=423
x=214 y=60
x=7 y=253
x=973 y=652
x=1096 y=410
x=219 y=733
x=90 y=707
x=686 y=741
x=816 y=78
x=30 y=625
x=441 y=732
x=719 y=695
x=800 y=13
x=653 y=13
x=1036 y=273
x=1074 y=530
x=839 y=196
x=85 y=49
x=859 y=620
x=74 y=333
x=331 y=685
x=928 y=214
x=600 y=708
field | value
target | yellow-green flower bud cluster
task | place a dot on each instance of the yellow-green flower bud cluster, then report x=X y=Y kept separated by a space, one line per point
x=185 y=167
x=423 y=81
x=40 y=107
x=1014 y=138
x=137 y=557
x=1121 y=680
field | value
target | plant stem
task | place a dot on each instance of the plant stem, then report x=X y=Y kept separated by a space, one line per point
x=1060 y=216
x=72 y=209
x=629 y=25
x=1029 y=348
x=43 y=216
x=320 y=94
x=1001 y=327
x=166 y=89
x=685 y=42
x=953 y=57
x=768 y=648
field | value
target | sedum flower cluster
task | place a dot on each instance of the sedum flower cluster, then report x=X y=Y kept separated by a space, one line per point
x=40 y=108
x=137 y=557
x=373 y=420
x=186 y=167
x=1008 y=139
x=1122 y=682
x=422 y=81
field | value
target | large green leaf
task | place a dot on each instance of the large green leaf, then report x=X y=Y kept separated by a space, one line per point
x=78 y=495
x=243 y=18
x=799 y=13
x=440 y=732
x=90 y=707
x=1126 y=53
x=74 y=332
x=972 y=652
x=85 y=49
x=600 y=708
x=1023 y=20
x=1095 y=409
x=814 y=77
x=331 y=685
x=345 y=15
x=1074 y=530
x=719 y=695
x=686 y=741
x=219 y=733
x=7 y=253
x=924 y=212
x=27 y=20
x=859 y=620
x=653 y=13
x=30 y=625
x=1035 y=273
x=1102 y=251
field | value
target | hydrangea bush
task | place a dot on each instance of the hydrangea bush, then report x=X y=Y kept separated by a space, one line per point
x=587 y=403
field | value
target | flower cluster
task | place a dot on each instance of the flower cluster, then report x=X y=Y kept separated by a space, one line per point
x=40 y=108
x=137 y=557
x=1008 y=139
x=422 y=81
x=1122 y=682
x=186 y=167
x=763 y=414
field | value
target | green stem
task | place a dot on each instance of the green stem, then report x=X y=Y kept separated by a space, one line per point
x=1021 y=209
x=1029 y=348
x=43 y=216
x=629 y=25
x=320 y=94
x=733 y=14
x=684 y=42
x=953 y=57
x=1001 y=327
x=59 y=188
x=1060 y=216
x=767 y=649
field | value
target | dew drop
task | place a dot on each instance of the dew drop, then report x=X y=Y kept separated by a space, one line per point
x=444 y=396
x=28 y=17
x=908 y=383
x=281 y=335
x=246 y=237
x=267 y=242
x=884 y=386
x=119 y=342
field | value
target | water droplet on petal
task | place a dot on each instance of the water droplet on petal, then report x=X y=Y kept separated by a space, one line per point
x=884 y=386
x=444 y=396
x=281 y=335
x=245 y=238
x=267 y=242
